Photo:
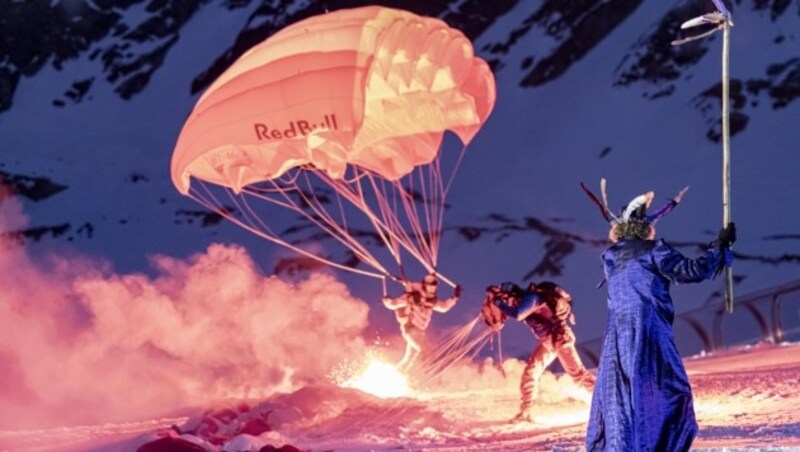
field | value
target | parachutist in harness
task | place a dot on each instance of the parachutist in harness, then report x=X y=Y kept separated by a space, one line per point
x=413 y=310
x=545 y=308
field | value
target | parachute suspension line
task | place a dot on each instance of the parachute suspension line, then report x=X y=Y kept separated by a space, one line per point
x=358 y=200
x=343 y=191
x=388 y=226
x=392 y=250
x=430 y=205
x=435 y=208
x=406 y=200
x=270 y=236
x=322 y=215
x=219 y=207
x=384 y=232
x=414 y=198
x=248 y=213
x=390 y=208
x=442 y=193
x=452 y=176
x=317 y=206
x=411 y=203
x=393 y=223
x=341 y=210
x=215 y=205
x=389 y=213
x=328 y=227
x=324 y=221
x=442 y=190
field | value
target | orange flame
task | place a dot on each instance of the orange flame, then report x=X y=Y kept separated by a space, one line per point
x=381 y=379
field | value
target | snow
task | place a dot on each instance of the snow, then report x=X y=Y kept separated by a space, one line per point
x=526 y=162
x=745 y=398
x=211 y=351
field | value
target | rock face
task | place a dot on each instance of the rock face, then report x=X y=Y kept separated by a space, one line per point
x=129 y=40
x=122 y=44
x=127 y=53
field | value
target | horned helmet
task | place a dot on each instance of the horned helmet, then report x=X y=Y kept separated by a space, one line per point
x=633 y=222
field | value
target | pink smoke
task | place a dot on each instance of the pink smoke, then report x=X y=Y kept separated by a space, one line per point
x=80 y=344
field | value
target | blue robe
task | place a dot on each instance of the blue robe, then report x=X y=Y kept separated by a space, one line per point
x=642 y=400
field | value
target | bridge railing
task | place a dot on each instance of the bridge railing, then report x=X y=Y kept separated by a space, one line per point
x=771 y=315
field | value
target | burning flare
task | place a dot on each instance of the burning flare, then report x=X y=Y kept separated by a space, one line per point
x=379 y=378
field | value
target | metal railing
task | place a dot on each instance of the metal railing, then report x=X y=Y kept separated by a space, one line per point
x=771 y=315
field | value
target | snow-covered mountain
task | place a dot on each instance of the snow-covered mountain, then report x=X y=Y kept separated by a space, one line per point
x=93 y=94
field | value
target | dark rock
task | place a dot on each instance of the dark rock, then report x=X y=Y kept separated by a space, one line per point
x=33 y=188
x=170 y=444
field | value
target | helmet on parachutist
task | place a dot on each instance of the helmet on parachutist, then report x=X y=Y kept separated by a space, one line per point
x=429 y=284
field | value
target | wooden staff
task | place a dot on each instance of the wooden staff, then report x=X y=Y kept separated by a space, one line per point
x=722 y=19
x=726 y=154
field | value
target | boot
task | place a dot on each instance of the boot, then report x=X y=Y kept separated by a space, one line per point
x=525 y=415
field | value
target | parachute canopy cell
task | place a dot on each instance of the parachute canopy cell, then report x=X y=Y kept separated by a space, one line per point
x=371 y=87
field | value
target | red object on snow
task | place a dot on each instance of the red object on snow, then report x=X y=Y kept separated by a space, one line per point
x=170 y=444
x=284 y=448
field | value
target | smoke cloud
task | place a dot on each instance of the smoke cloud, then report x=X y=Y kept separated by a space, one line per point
x=81 y=344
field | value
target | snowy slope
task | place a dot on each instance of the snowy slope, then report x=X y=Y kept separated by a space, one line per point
x=746 y=399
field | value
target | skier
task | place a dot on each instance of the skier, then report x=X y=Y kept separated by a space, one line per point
x=545 y=308
x=413 y=310
x=643 y=400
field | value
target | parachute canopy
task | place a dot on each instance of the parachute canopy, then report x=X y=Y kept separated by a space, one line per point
x=373 y=87
x=339 y=113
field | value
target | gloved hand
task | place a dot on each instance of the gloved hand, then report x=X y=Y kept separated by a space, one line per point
x=457 y=291
x=727 y=235
x=493 y=317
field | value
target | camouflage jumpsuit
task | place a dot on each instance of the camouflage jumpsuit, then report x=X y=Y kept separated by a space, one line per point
x=545 y=310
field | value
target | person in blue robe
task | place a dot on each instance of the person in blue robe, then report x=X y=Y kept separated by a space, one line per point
x=642 y=399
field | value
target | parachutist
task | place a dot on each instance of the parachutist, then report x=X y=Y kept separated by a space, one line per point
x=643 y=400
x=413 y=310
x=545 y=308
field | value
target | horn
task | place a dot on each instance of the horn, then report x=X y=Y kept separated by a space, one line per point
x=667 y=208
x=637 y=203
x=594 y=199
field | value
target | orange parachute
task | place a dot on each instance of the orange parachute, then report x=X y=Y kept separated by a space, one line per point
x=356 y=101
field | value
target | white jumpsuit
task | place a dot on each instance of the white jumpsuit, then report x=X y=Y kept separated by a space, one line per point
x=413 y=311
